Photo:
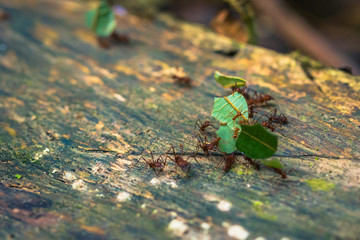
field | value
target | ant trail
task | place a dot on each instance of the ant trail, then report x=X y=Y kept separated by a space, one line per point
x=136 y=153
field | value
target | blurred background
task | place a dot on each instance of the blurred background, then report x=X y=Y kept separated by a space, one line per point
x=327 y=30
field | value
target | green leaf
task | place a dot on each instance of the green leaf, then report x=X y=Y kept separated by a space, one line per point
x=229 y=81
x=227 y=141
x=256 y=142
x=101 y=20
x=226 y=108
x=18 y=176
x=273 y=163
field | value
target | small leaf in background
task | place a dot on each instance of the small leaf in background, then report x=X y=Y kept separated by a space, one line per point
x=227 y=141
x=226 y=108
x=273 y=163
x=18 y=176
x=229 y=81
x=101 y=20
x=256 y=142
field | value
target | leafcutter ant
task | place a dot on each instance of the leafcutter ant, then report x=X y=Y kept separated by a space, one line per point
x=229 y=161
x=254 y=98
x=4 y=15
x=105 y=42
x=274 y=119
x=251 y=162
x=268 y=125
x=179 y=160
x=280 y=172
x=281 y=119
x=236 y=132
x=239 y=114
x=202 y=126
x=157 y=165
x=184 y=81
x=208 y=146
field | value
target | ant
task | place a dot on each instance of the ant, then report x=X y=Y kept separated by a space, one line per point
x=105 y=42
x=180 y=161
x=202 y=126
x=185 y=81
x=280 y=172
x=268 y=125
x=239 y=114
x=236 y=132
x=4 y=15
x=206 y=146
x=157 y=165
x=255 y=98
x=252 y=162
x=281 y=119
x=229 y=160
x=273 y=119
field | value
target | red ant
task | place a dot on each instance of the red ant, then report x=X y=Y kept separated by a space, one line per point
x=206 y=146
x=268 y=125
x=236 y=132
x=202 y=126
x=252 y=162
x=105 y=42
x=255 y=98
x=239 y=114
x=4 y=15
x=281 y=172
x=229 y=162
x=180 y=161
x=157 y=165
x=185 y=81
x=281 y=119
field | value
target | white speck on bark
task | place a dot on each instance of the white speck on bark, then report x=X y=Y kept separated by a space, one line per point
x=205 y=226
x=69 y=176
x=79 y=185
x=178 y=227
x=238 y=232
x=224 y=206
x=260 y=238
x=119 y=97
x=123 y=196
x=154 y=181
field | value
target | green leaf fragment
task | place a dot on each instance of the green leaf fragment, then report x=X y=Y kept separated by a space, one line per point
x=256 y=142
x=226 y=108
x=227 y=141
x=273 y=163
x=229 y=81
x=101 y=20
x=18 y=176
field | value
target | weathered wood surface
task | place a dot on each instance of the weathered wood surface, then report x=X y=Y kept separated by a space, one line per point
x=61 y=95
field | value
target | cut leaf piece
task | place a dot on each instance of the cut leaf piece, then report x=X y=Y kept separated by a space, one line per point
x=227 y=141
x=101 y=20
x=256 y=142
x=226 y=108
x=273 y=163
x=229 y=81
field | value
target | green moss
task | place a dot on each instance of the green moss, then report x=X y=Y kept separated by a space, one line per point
x=242 y=170
x=319 y=184
x=260 y=211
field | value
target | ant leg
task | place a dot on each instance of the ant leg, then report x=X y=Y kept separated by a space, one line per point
x=182 y=149
x=141 y=158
